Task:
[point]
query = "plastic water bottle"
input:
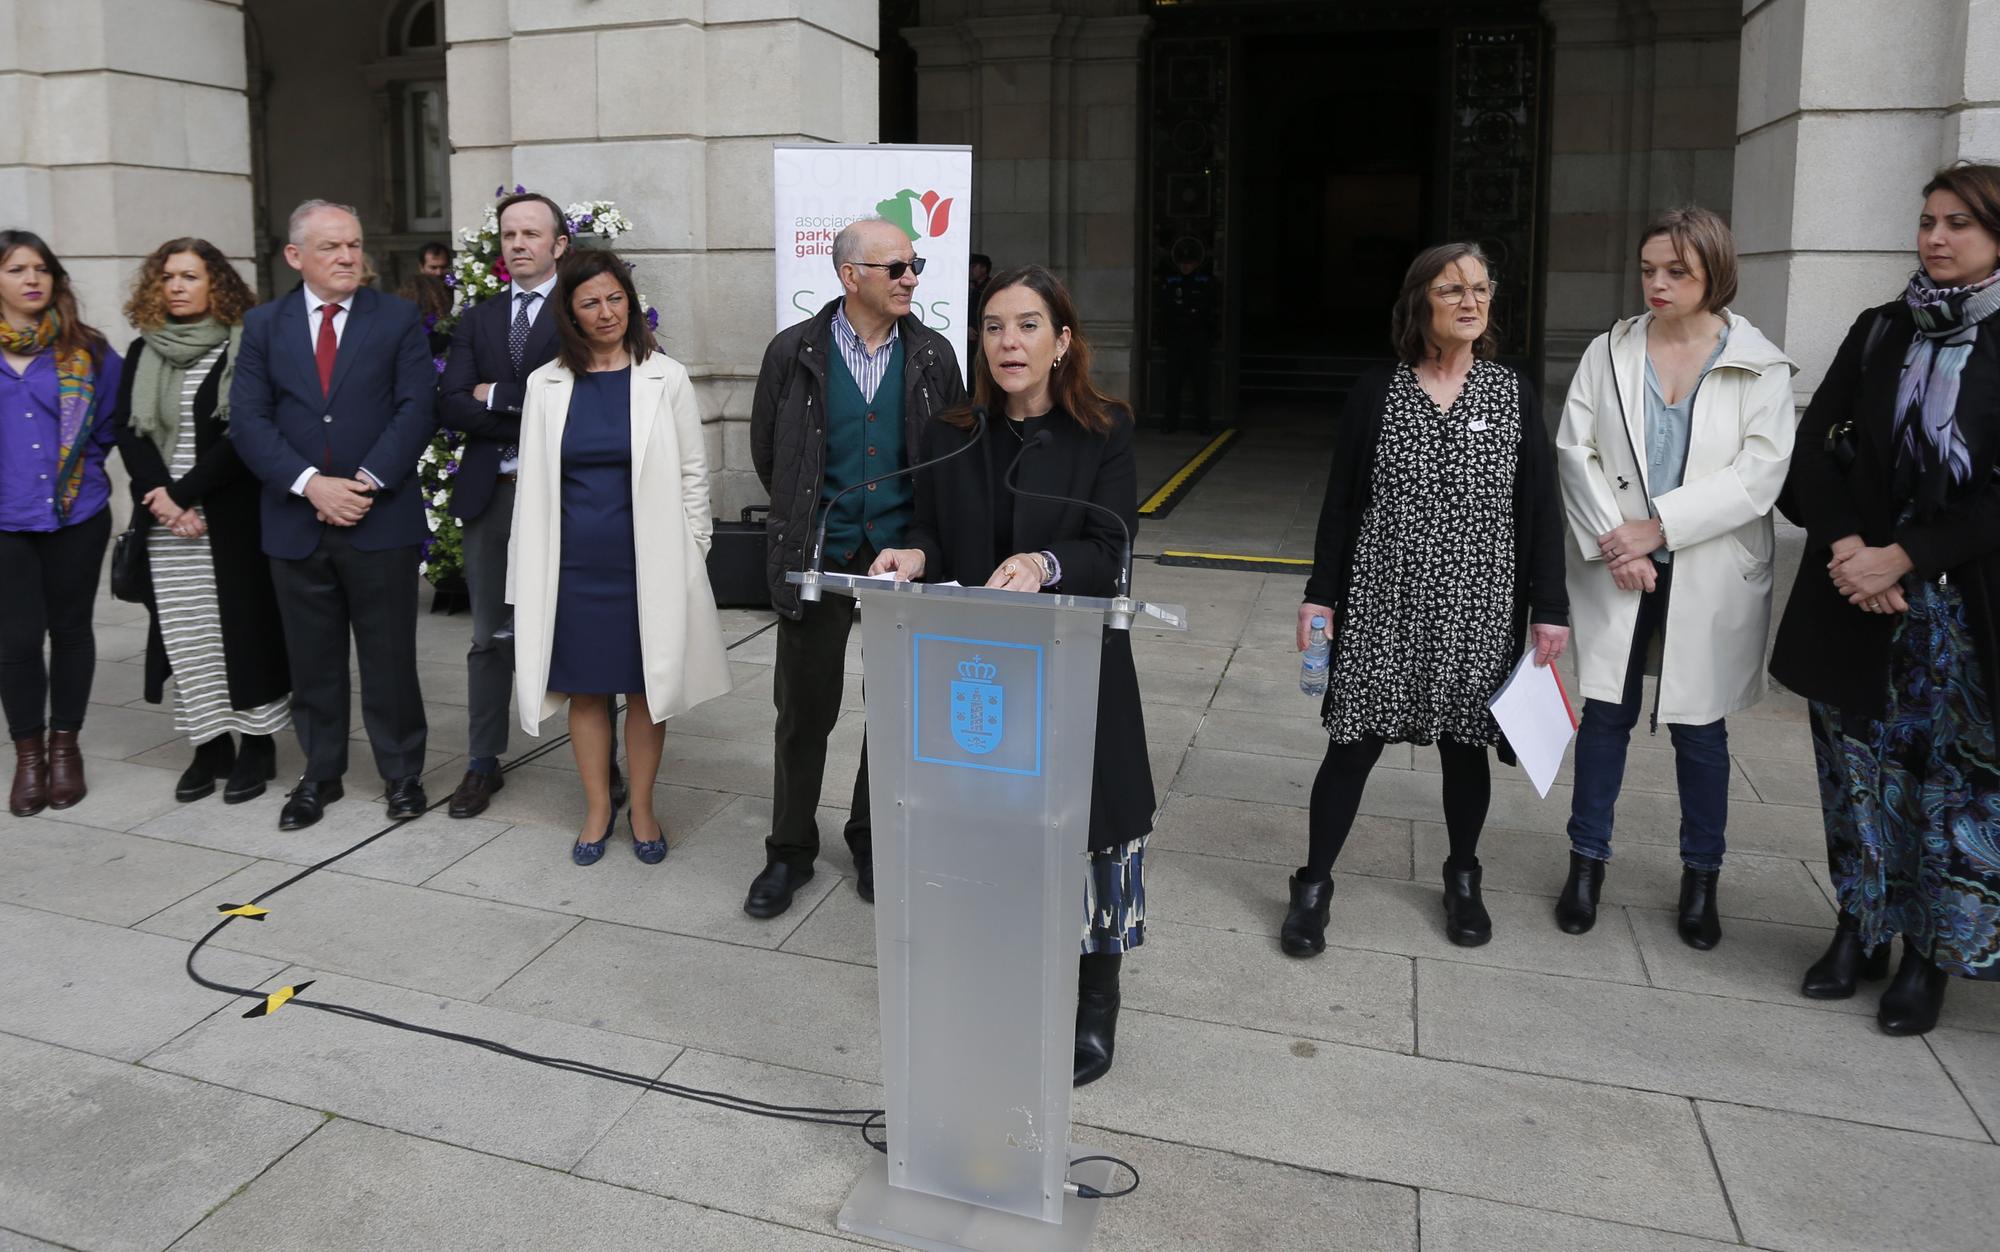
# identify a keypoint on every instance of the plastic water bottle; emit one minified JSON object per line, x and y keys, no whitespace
{"x":1312,"y":668}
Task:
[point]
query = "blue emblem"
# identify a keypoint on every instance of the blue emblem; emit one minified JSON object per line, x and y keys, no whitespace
{"x":977,"y":706}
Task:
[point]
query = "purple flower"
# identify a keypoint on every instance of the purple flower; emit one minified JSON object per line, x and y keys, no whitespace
{"x":499,"y":191}
{"x":450,"y":279}
{"x":451,"y":469}
{"x":430,"y":541}
{"x":585,"y":220}
{"x":437,"y":363}
{"x":652,"y":319}
{"x":519,"y":190}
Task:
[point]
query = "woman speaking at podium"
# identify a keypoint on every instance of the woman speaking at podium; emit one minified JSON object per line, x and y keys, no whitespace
{"x":1032,"y":371}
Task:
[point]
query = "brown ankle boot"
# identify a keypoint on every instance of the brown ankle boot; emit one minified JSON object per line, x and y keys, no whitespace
{"x":66,"y":785}
{"x":31,"y":777}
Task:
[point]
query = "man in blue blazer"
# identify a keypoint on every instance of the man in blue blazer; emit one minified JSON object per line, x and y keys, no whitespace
{"x":331,"y":407}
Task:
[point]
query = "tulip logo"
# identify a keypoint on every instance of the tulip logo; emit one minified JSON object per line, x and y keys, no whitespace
{"x":918,"y":216}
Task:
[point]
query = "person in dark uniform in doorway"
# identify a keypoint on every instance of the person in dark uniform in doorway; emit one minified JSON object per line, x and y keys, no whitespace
{"x":1189,"y":298}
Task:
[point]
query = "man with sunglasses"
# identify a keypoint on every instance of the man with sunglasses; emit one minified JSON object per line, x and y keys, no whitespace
{"x":840,"y":399}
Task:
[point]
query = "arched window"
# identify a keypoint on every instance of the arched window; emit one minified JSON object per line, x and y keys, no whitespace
{"x":415,"y":38}
{"x":417,"y":29}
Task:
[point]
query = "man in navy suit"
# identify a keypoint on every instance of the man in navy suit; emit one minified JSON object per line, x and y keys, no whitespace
{"x":331,"y":407}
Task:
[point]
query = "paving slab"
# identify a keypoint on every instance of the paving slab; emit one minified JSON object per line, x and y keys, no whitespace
{"x":1457,"y":1223}
{"x":1300,"y":735}
{"x":728,"y":717}
{"x":1275,"y":834}
{"x":1567,"y":1146}
{"x":719,"y":997}
{"x":384,"y":932}
{"x":108,"y":1156}
{"x":11,"y":1242}
{"x":124,"y":640}
{"x":123,"y":795}
{"x":1781,"y":780}
{"x":101,"y":875}
{"x":105,"y":989}
{"x":409,"y":854}
{"x":697,"y":890}
{"x":1647,"y":768}
{"x":1972,"y":1058}
{"x":114,"y":732}
{"x":1807,"y":1184}
{"x":1763,"y":888}
{"x":1159,"y":654}
{"x":1254,"y":777}
{"x":841,"y":927}
{"x":120,"y":682}
{"x":1740,"y":1051}
{"x":1176,"y":724}
{"x":421,"y":1194}
{"x":437,"y":1088}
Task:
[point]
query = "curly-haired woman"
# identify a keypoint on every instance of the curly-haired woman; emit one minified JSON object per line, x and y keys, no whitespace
{"x":215,"y":616}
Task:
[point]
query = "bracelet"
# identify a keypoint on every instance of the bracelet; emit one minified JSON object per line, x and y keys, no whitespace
{"x":1051,"y":568}
{"x":1662,"y":523}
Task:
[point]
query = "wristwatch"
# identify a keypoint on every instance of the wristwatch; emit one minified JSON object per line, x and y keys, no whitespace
{"x":1051,"y":570}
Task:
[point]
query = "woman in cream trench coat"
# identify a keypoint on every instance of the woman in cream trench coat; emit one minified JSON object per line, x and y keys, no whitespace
{"x":1700,"y":601}
{"x":681,"y":639}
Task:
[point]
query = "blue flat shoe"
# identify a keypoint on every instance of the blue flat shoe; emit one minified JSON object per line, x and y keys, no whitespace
{"x":591,"y":853}
{"x":652,"y":852}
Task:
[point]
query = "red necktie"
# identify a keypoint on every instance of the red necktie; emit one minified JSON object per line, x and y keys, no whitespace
{"x":323,"y":350}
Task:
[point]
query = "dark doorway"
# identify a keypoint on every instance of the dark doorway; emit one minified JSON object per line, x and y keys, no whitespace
{"x":1339,"y":171}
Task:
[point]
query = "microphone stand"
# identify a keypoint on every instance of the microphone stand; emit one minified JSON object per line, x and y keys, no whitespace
{"x":809,"y":586}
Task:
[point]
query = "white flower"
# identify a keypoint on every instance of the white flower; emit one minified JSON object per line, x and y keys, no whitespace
{"x":423,"y":567}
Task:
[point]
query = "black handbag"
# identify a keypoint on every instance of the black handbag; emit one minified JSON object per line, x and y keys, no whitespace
{"x":131,"y":572}
{"x":736,"y":562}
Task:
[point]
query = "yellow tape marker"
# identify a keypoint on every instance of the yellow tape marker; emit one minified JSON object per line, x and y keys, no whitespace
{"x":1185,"y":472}
{"x":276,"y":1000}
{"x":249,"y":911}
{"x":1231,"y":556}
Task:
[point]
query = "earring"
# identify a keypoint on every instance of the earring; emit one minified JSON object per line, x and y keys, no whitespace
{"x":1058,"y":362}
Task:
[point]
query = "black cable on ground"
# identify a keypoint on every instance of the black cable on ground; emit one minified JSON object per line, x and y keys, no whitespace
{"x":868,"y":1118}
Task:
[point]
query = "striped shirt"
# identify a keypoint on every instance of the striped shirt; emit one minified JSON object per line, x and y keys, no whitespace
{"x":868,"y":368}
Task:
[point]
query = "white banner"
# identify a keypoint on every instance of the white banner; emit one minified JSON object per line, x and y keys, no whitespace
{"x":926,"y":189}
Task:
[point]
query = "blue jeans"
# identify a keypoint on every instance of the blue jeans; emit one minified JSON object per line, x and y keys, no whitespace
{"x":1701,"y":758}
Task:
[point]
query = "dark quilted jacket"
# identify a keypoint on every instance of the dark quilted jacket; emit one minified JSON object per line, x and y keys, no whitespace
{"x":788,"y":432}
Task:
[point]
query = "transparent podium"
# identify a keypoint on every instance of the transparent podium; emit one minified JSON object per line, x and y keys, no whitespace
{"x":982,"y":724}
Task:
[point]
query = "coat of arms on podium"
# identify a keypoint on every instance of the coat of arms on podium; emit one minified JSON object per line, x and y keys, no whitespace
{"x":978,"y":705}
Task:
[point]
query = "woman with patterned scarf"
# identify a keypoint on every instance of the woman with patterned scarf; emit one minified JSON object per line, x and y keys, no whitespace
{"x":56,"y":384}
{"x":1892,"y":632}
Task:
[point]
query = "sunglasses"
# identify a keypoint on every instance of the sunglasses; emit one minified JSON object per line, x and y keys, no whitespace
{"x":895,"y":268}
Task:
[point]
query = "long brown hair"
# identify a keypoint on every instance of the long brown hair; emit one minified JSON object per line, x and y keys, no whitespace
{"x":229,"y":297}
{"x":1410,"y":316}
{"x":579,"y":267}
{"x":76,"y":333}
{"x":1069,"y":383}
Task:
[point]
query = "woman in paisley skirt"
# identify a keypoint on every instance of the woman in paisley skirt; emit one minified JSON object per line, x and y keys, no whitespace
{"x":1440,"y":541}
{"x":1891,"y":630}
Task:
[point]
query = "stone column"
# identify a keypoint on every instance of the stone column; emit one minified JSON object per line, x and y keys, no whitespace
{"x":1843,"y":117}
{"x":1972,"y":121}
{"x":670,"y":108}
{"x":127,"y":126}
{"x":1051,"y":104}
{"x":1643,"y":116}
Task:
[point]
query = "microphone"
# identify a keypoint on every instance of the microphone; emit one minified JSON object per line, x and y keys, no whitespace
{"x":1041,"y":440}
{"x":826,"y":514}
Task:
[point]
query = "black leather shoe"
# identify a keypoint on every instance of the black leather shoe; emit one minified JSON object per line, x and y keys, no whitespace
{"x":1836,"y":974}
{"x":1700,"y":928}
{"x":256,"y":764}
{"x":1466,"y":922}
{"x":1096,"y":1034}
{"x":475,"y":791}
{"x":864,"y":878}
{"x":619,"y":792}
{"x":406,"y":799}
{"x":1915,"y":997}
{"x":1304,"y":931}
{"x":211,"y":758}
{"x":306,"y":803}
{"x":1576,"y":907}
{"x":771,"y":890}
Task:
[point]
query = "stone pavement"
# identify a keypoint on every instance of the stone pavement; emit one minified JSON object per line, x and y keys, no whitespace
{"x":1614,"y":1091}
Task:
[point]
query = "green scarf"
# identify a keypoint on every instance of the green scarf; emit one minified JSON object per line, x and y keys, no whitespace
{"x":162,"y":369}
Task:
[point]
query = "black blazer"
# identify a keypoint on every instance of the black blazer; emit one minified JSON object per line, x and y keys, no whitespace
{"x":253,"y":635}
{"x":953,"y":528}
{"x":379,"y":413}
{"x":1832,"y":651}
{"x":479,"y":355}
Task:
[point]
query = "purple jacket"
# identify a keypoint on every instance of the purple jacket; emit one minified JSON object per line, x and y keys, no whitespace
{"x":30,"y":445}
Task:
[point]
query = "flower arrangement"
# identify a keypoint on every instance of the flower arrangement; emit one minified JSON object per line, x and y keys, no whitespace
{"x":479,"y":272}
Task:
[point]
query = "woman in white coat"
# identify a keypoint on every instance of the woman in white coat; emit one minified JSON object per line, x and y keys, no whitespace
{"x":1672,"y":449}
{"x":611,"y":451}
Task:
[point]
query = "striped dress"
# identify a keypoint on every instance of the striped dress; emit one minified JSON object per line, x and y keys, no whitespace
{"x":190,"y":621}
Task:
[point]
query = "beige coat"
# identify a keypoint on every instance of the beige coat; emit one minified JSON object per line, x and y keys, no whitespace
{"x":1718,"y":521}
{"x":679,"y":634}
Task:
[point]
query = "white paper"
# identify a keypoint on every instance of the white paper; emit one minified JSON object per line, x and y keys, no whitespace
{"x":1534,"y":713}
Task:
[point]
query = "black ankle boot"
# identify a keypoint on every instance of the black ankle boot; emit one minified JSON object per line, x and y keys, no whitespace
{"x":1700,"y":928}
{"x":256,"y":764}
{"x":1576,"y":907}
{"x":1836,"y":973}
{"x":1911,"y":1004}
{"x":1096,"y":1014}
{"x":210,"y":759}
{"x":1304,"y":931}
{"x":1466,"y":922}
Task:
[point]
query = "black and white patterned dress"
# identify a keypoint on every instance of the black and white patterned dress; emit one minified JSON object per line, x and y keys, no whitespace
{"x":1427,"y":628}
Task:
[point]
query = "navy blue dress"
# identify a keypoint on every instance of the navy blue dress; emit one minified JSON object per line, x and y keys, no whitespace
{"x":596,"y":650}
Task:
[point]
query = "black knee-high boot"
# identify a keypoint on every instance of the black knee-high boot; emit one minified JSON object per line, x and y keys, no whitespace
{"x":1096,"y":1014}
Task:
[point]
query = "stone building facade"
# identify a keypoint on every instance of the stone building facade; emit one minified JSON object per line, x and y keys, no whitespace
{"x":1106,"y":133}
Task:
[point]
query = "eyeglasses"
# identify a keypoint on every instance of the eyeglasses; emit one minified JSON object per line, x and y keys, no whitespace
{"x":1455,"y":293}
{"x":895,"y":268}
